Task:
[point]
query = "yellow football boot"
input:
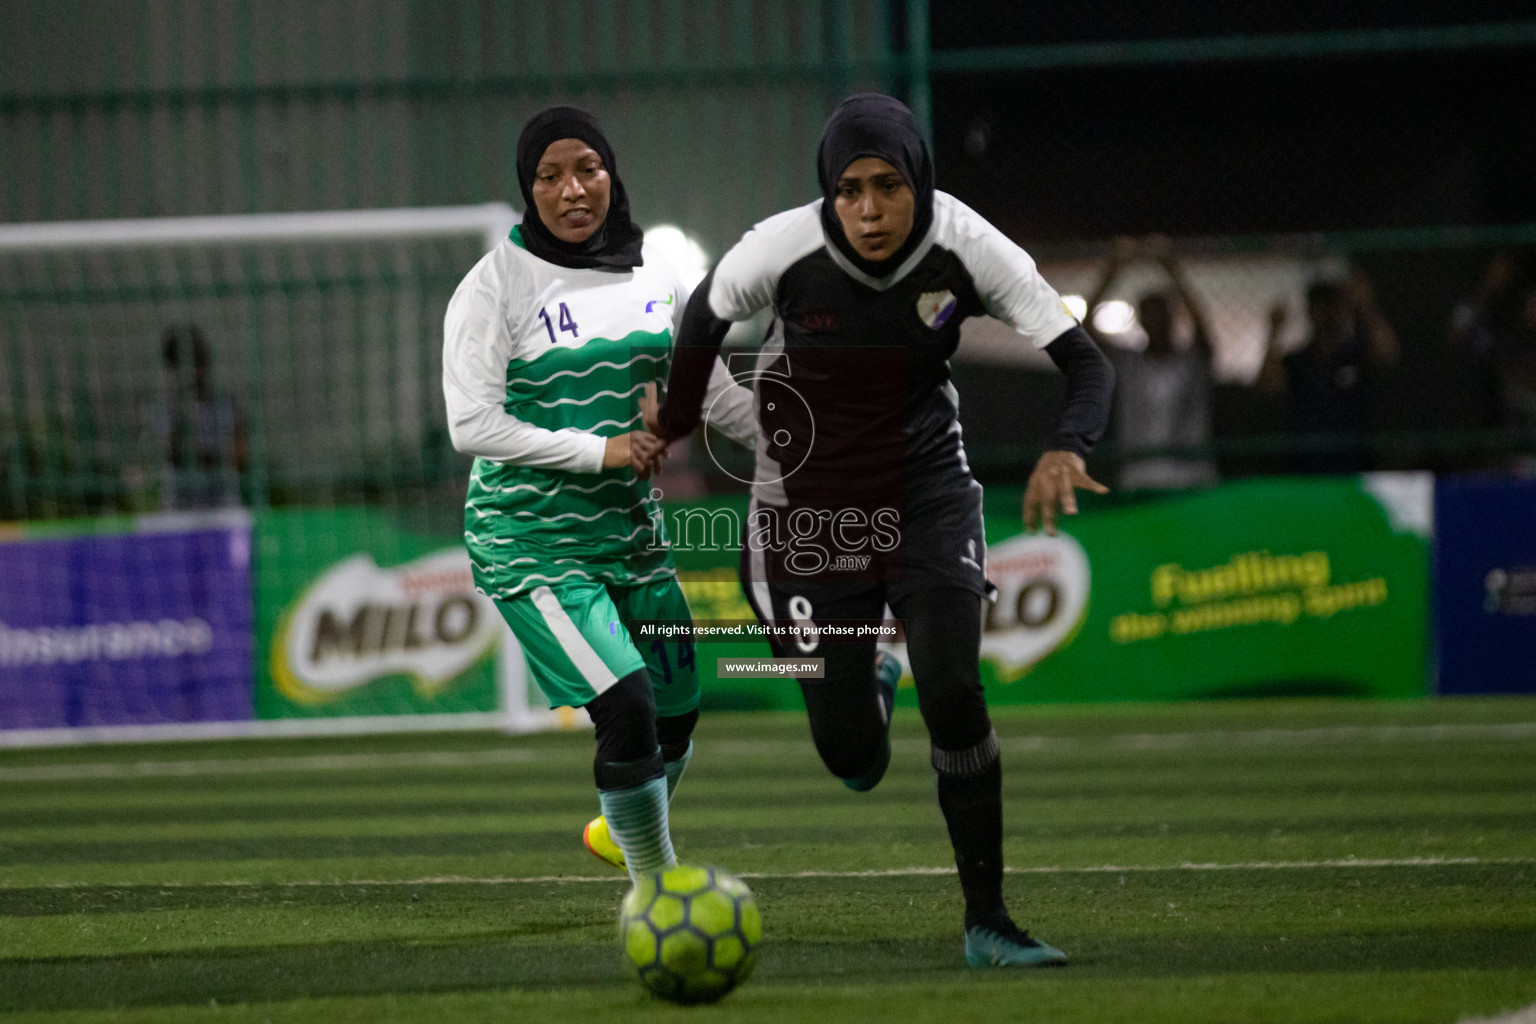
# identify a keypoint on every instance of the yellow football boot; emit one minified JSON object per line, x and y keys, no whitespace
{"x":596,"y":839}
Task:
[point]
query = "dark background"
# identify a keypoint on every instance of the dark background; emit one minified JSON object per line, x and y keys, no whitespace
{"x":1311,"y":142}
{"x":1326,"y":142}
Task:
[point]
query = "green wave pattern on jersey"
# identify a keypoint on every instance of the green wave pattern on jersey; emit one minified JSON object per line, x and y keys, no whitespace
{"x":526,"y":527}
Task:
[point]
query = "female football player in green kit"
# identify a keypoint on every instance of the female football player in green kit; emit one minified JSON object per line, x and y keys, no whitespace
{"x":547,"y":344}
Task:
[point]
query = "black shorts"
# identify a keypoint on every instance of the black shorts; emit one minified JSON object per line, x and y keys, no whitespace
{"x":802,"y":565}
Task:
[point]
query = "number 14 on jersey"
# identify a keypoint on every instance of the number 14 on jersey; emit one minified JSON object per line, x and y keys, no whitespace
{"x":566,"y":323}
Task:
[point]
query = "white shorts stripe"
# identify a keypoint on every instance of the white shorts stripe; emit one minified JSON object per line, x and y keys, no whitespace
{"x":757,"y":573}
{"x":598,"y":675}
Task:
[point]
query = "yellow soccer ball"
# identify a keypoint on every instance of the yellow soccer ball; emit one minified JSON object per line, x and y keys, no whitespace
{"x":690,"y":934}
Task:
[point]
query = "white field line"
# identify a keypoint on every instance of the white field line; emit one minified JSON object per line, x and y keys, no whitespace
{"x":742,"y":748}
{"x":1334,"y":734}
{"x":908,"y":872}
{"x":1525,"y":1016}
{"x":1210,"y":737}
{"x":263,"y":765}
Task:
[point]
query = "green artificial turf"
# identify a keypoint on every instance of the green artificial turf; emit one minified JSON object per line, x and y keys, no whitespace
{"x":1244,"y":861}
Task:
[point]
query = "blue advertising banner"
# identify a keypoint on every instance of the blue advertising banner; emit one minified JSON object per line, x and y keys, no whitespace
{"x":1485,"y":585}
{"x":126,"y":629}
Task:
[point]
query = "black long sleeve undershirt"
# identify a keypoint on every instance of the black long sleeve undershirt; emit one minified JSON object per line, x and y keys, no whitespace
{"x":1090,"y":387}
{"x":693,"y":360}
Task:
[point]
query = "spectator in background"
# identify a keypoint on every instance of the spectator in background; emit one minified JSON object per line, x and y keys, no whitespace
{"x":1331,"y":380}
{"x":1498,"y":325}
{"x":202,"y":433}
{"x":1163,"y":400}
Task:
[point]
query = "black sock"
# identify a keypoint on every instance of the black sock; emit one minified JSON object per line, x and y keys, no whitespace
{"x":973,"y":810}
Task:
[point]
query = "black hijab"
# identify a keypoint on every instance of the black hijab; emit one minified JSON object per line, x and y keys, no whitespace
{"x":870,"y":124}
{"x":616,"y":242}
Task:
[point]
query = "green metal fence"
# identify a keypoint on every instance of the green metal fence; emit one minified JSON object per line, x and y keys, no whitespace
{"x":150,"y":108}
{"x":328,"y":351}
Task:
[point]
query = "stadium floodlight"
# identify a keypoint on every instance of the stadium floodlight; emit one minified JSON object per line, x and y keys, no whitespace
{"x":321,"y":335}
{"x":1114,"y":317}
{"x":681,"y":250}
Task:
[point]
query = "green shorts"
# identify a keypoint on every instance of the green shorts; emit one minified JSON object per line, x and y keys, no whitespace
{"x":576,"y":640}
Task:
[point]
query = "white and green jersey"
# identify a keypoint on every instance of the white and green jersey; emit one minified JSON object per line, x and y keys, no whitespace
{"x":541,"y":364}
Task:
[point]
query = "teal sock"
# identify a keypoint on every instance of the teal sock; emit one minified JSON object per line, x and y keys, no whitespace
{"x":675,"y":769}
{"x":637,"y":821}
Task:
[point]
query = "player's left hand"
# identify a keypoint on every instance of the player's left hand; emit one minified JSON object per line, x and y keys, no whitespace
{"x":1052,"y":486}
{"x":646,"y":452}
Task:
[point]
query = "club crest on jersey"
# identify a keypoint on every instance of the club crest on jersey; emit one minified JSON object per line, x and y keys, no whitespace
{"x":935,"y":308}
{"x":816,"y":320}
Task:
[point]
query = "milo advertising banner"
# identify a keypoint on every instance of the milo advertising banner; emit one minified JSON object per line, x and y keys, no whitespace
{"x":359,"y":617}
{"x":1263,"y":587}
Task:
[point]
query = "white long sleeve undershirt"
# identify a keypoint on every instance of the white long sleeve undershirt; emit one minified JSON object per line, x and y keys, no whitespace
{"x":477,"y":346}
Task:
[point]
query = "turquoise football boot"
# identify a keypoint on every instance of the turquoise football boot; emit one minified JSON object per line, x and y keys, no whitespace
{"x":998,"y":942}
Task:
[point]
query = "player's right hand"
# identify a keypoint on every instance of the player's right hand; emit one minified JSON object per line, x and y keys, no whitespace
{"x":1051,"y":486}
{"x":650,"y":408}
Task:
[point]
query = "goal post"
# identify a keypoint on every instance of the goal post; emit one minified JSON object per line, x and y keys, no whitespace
{"x":228,"y":501}
{"x":491,"y":220}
